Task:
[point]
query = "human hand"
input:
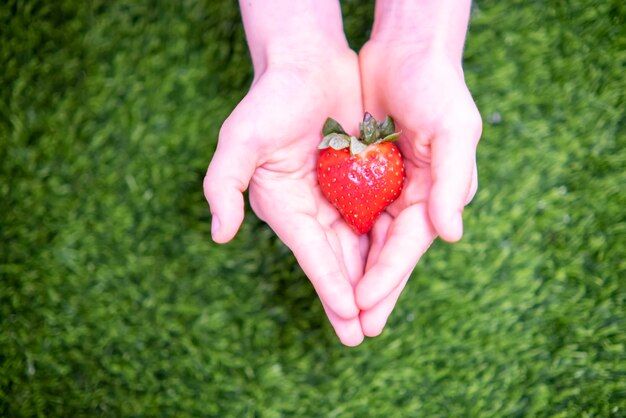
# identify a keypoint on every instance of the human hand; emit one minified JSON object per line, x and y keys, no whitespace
{"x":423,"y":88}
{"x":269,"y":142}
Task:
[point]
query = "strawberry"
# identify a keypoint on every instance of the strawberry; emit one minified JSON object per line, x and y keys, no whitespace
{"x":360,"y":176}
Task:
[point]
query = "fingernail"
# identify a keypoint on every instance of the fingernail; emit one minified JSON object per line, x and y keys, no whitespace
{"x":215,"y":226}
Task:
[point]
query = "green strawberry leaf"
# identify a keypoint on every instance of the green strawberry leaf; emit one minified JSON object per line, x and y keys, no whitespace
{"x":331,"y":126}
{"x":392,"y":137}
{"x":339,"y":141}
{"x":356,"y":146}
{"x":325,"y":143}
{"x":335,"y":141}
{"x":387,"y":127}
{"x":370,"y":129}
{"x":370,"y":132}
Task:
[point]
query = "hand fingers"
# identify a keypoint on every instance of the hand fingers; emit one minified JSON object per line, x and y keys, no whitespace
{"x":409,"y":236}
{"x":348,"y":330}
{"x":373,"y":320}
{"x":308,"y":241}
{"x":378,"y":236}
{"x":227,"y":177}
{"x":453,"y":161}
{"x":349,"y":246}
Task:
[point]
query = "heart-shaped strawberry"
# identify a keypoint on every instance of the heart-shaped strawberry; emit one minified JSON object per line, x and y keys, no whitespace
{"x":360,"y":176}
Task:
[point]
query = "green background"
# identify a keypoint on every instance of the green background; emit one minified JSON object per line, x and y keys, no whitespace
{"x":115,"y":302}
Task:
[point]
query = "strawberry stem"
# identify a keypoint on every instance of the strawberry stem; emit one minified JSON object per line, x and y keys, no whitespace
{"x":331,"y":126}
{"x":370,"y":132}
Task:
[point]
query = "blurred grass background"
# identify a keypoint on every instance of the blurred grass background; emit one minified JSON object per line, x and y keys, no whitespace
{"x":115,"y":302}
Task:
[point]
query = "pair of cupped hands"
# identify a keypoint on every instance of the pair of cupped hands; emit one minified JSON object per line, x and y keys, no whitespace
{"x":269,"y":145}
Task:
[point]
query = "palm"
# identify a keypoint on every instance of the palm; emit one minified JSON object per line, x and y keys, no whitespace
{"x":428,"y":98}
{"x":425,"y":96}
{"x":284,"y":190}
{"x":281,"y":118}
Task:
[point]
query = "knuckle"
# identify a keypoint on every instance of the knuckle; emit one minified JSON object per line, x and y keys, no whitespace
{"x":472,"y":125}
{"x":466,"y":124}
{"x":475,"y":125}
{"x":235,"y":126}
{"x":228,"y":129}
{"x":210,"y":184}
{"x":470,"y":195}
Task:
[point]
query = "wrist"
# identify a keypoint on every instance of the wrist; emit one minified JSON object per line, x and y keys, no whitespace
{"x":287,"y":30}
{"x":307,"y":53}
{"x":435,"y":27}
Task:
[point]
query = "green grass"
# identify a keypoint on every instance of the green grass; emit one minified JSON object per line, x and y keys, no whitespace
{"x":115,"y":302}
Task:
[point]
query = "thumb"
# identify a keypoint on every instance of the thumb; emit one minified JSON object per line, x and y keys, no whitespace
{"x":453,"y":168}
{"x":227,"y":177}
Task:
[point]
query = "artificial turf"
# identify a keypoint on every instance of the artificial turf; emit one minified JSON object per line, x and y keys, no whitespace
{"x":115,"y":302}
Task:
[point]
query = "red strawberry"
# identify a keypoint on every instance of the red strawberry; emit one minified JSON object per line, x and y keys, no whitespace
{"x":360,"y":176}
